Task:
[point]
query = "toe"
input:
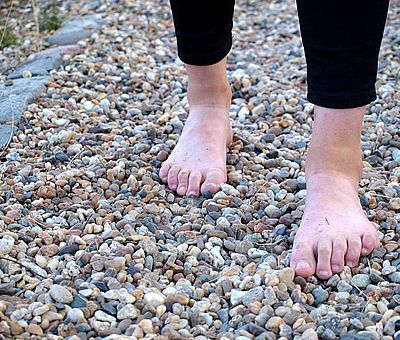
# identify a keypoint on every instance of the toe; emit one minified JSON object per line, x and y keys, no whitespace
{"x":303,"y":259}
{"x":173,"y":177}
{"x":183,"y":179}
{"x":368,"y":243}
{"x":194,"y":183}
{"x":164,"y":172}
{"x":213,"y":180}
{"x":338,"y":253}
{"x":353,"y":251}
{"x":324,"y":251}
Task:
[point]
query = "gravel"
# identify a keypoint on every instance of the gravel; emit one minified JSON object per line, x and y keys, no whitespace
{"x":93,"y":245}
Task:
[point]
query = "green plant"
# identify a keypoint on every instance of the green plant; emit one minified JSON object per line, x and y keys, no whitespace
{"x":50,"y":21}
{"x":7,"y":38}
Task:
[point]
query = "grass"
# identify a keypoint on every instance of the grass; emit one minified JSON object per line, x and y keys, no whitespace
{"x":50,"y":21}
{"x":46,"y":20}
{"x":8,"y":38}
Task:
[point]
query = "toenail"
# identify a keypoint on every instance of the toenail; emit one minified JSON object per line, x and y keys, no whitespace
{"x":323,"y":273}
{"x":172,"y":186}
{"x":302,"y":265}
{"x":364,"y":250}
{"x":335,"y":268}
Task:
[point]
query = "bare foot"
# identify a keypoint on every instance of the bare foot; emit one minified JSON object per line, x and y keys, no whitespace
{"x":198,"y":162}
{"x":334,"y":230}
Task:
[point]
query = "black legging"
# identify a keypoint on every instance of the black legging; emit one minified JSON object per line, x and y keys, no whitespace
{"x":341,"y":40}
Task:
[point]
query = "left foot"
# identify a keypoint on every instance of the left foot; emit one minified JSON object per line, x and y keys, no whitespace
{"x":334,"y":230}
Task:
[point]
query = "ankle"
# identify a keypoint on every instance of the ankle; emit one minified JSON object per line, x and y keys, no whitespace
{"x":209,"y":95}
{"x":334,"y":162}
{"x":208,"y":85}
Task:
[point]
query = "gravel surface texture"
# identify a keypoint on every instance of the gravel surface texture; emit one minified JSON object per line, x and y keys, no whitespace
{"x":93,"y":245}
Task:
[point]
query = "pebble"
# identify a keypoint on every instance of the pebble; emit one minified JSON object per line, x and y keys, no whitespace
{"x":395,"y":277}
{"x":34,"y":329}
{"x":128,"y":312}
{"x":320,"y":295}
{"x":286,"y":275}
{"x":6,"y":244}
{"x":237,"y":297}
{"x":75,"y":315}
{"x":154,"y":299}
{"x":361,"y":280}
{"x":394,"y":203}
{"x":61,"y":294}
{"x":102,"y":316}
{"x":254,"y":294}
{"x":106,"y":250}
{"x":274,"y":323}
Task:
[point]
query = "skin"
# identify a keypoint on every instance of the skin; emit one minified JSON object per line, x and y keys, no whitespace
{"x":334,"y":230}
{"x":197,"y":165}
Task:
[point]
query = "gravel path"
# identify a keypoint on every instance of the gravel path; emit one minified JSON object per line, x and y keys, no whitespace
{"x":93,"y":245}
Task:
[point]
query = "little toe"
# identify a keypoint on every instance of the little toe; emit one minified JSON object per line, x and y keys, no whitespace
{"x":183,"y":180}
{"x":324,"y":251}
{"x":339,"y":247}
{"x":213,"y":180}
{"x":368,"y":243}
{"x":194,"y":183}
{"x":302,"y":259}
{"x":164,"y":172}
{"x":173,"y":177}
{"x":353,"y":251}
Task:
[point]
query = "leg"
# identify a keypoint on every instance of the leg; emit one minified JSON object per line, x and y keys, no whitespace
{"x":198,"y":162}
{"x":341,"y":42}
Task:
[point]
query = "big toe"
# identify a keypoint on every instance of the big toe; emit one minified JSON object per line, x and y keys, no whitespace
{"x":164,"y":172}
{"x":173,"y":177}
{"x":302,"y":259}
{"x":213,"y":179}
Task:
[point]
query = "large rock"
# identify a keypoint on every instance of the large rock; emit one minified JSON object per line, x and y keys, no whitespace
{"x":6,"y":131}
{"x":15,"y":99}
{"x":76,"y":29}
{"x":37,"y":66}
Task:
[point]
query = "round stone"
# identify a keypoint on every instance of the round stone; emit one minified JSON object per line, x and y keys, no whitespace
{"x":361,"y":280}
{"x":61,"y":294}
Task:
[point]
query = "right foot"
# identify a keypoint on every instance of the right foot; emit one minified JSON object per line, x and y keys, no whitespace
{"x":197,"y":165}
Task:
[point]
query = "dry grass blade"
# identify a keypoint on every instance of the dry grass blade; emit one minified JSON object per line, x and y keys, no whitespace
{"x":22,"y":265}
{"x":12,"y":130}
{"x":73,"y":158}
{"x":36,"y":16}
{"x":6,"y":23}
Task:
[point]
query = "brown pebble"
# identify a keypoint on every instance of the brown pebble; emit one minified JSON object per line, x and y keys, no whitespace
{"x":34,"y":329}
{"x":47,"y":192}
{"x":15,"y":327}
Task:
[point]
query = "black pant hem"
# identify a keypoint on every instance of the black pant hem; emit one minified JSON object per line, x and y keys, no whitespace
{"x":205,"y":58}
{"x":333,"y":102}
